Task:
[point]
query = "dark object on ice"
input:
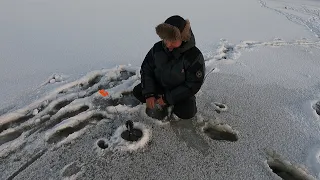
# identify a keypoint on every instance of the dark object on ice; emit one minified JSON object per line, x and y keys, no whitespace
{"x":220,"y":135}
{"x":317,"y":107}
{"x":131,"y":134}
{"x":157,"y":112}
{"x":221,"y":106}
{"x":102,"y":144}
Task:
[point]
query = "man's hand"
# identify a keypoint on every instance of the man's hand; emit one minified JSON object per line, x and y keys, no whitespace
{"x":150,"y":102}
{"x":161,"y":101}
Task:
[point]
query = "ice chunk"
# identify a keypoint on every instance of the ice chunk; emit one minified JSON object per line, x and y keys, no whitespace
{"x":35,"y":112}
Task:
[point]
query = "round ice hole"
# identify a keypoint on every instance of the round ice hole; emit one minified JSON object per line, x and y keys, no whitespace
{"x":102,"y":144}
{"x":131,"y":134}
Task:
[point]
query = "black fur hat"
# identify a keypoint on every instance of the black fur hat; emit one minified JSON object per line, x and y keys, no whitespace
{"x":174,"y":28}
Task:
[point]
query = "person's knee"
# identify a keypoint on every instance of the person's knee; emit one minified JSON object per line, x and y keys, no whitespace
{"x":185,"y":115}
{"x":136,"y":90}
{"x":186,"y":110}
{"x":137,"y":93}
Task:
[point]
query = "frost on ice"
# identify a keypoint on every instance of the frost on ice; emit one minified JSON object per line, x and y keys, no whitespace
{"x":68,"y":111}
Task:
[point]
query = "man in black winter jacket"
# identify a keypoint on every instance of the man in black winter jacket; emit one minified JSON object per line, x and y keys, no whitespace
{"x":173,"y":70}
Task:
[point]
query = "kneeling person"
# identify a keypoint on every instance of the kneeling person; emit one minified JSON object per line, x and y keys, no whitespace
{"x":173,"y":70}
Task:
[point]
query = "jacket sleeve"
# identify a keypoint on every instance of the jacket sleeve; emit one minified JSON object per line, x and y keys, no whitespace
{"x":147,"y":75}
{"x":194,"y":80}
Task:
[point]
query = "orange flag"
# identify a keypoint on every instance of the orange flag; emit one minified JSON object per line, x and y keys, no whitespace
{"x":103,"y":92}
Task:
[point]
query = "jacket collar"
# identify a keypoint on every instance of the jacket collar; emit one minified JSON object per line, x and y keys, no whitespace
{"x":177,"y":52}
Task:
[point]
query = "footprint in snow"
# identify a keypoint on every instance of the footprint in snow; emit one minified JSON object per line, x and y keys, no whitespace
{"x":316,"y":107}
{"x":220,"y":132}
{"x":219,"y":107}
{"x":71,"y":171}
{"x":286,"y":170}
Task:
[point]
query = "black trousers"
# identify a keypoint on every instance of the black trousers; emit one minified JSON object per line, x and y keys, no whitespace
{"x":184,"y":109}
